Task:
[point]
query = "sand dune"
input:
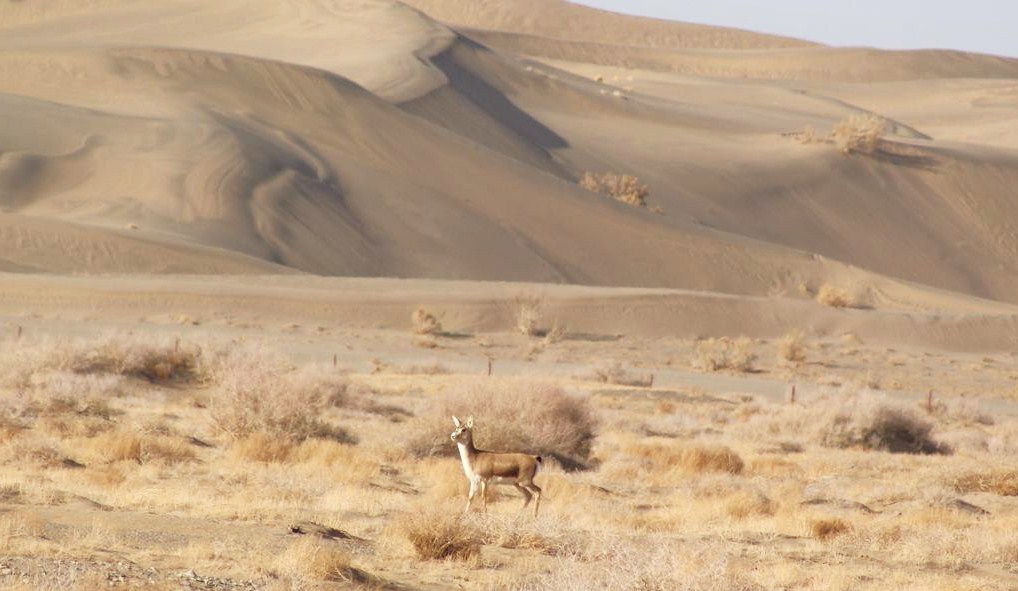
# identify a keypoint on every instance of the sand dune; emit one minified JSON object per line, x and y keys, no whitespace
{"x":367,"y":138}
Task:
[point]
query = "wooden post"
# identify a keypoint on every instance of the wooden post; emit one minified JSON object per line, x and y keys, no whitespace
{"x":489,"y":366}
{"x":176,"y":345}
{"x":335,"y":359}
{"x":19,"y":331}
{"x":929,"y":402}
{"x":792,"y":399}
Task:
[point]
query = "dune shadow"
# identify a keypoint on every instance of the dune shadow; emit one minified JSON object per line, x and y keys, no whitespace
{"x":890,"y":155}
{"x":492,"y":100}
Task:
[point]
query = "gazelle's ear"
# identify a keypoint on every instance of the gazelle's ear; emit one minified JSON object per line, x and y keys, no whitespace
{"x":470,"y":423}
{"x":456,"y":422}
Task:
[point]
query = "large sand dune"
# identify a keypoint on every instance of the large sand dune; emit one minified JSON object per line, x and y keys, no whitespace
{"x":372,"y":138}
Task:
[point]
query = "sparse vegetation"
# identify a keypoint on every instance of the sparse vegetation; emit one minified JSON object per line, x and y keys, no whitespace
{"x":858,"y":133}
{"x":999,"y":482}
{"x":620,"y":187}
{"x":725,"y":353}
{"x":792,"y":348}
{"x":425,"y":323}
{"x":527,"y":315}
{"x":827,"y":529}
{"x":834,"y":297}
{"x":440,"y":534}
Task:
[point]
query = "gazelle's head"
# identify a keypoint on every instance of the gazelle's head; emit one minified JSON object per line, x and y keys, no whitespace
{"x":462,"y":432}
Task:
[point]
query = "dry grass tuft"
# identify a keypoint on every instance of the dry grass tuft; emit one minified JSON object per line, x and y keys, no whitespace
{"x":309,"y":559}
{"x":555,"y":424}
{"x":616,"y":374}
{"x":620,"y":187}
{"x":725,"y":353}
{"x":425,"y":323}
{"x":827,"y":529}
{"x":792,"y":349}
{"x":859,"y":133}
{"x":1001,"y":482}
{"x":882,"y":426}
{"x":527,"y":313}
{"x":746,"y":503}
{"x":262,"y":447}
{"x":441,"y":534}
{"x":834,"y":297}
{"x":665,"y":455}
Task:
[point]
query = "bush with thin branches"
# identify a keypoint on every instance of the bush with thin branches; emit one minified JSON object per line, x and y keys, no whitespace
{"x":859,"y":133}
{"x":621,"y":187}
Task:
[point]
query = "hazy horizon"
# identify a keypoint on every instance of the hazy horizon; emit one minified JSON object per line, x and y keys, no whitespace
{"x":982,"y":26}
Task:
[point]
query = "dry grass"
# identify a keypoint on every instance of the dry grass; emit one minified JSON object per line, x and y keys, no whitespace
{"x":792,"y":348}
{"x":1000,"y":482}
{"x":620,"y":187}
{"x":616,"y":374}
{"x":859,"y":133}
{"x":308,"y":559}
{"x":827,"y":529}
{"x":441,"y":534}
{"x":527,"y":315}
{"x":662,"y":456}
{"x":725,"y":353}
{"x":834,"y":297}
{"x":251,"y":396}
{"x":425,"y":323}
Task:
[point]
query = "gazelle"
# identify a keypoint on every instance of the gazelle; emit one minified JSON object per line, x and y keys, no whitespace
{"x":482,"y":467}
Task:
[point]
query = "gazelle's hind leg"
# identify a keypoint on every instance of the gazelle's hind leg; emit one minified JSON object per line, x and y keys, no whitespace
{"x":537,"y":494}
{"x":526,"y":496}
{"x":484,"y":496}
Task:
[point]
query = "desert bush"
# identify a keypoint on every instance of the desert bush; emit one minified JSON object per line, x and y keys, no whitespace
{"x":724,"y":353}
{"x":834,"y":297}
{"x":1000,"y":482}
{"x":826,"y":529}
{"x":884,"y":426}
{"x":524,"y":417}
{"x":792,"y":349}
{"x":527,"y":312}
{"x":665,"y":455}
{"x":307,"y":560}
{"x":425,"y":323}
{"x":161,"y":360}
{"x":615,"y":374}
{"x":253,"y":395}
{"x":858,"y":133}
{"x":441,"y":533}
{"x":620,"y":187}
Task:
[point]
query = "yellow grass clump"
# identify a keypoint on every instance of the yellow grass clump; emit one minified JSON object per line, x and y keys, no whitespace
{"x":834,"y":297}
{"x":621,"y":187}
{"x":724,"y":353}
{"x":425,"y":323}
{"x":1001,"y":482}
{"x":792,"y":348}
{"x":859,"y":133}
{"x":441,"y":534}
{"x":827,"y":529}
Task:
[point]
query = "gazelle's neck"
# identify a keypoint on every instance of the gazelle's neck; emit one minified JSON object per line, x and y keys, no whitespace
{"x":467,"y":453}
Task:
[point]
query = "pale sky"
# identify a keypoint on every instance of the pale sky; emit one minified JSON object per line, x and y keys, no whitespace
{"x":985,"y":26}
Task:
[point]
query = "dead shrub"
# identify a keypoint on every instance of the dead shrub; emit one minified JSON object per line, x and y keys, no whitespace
{"x":746,"y":503}
{"x":262,"y":447}
{"x":555,"y":424}
{"x":617,"y":375}
{"x":309,"y":559}
{"x":827,"y":529}
{"x":255,"y":396}
{"x":792,"y":349}
{"x":858,"y":133}
{"x":527,"y":312}
{"x":620,"y":187}
{"x":834,"y":297}
{"x":665,"y":455}
{"x":879,"y":425}
{"x":725,"y":353}
{"x":425,"y":323}
{"x":116,"y":446}
{"x":1001,"y":482}
{"x":441,"y":534}
{"x":130,"y":356}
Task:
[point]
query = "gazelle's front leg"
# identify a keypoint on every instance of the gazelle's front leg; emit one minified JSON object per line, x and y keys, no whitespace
{"x":470,"y":497}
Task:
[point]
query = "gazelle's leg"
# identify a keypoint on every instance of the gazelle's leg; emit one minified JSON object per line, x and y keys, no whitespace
{"x":537,"y":493}
{"x":526,"y":496}
{"x":484,"y":496}
{"x":470,"y":497}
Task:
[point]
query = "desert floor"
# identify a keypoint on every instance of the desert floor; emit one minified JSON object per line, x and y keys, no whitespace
{"x":181,"y":437}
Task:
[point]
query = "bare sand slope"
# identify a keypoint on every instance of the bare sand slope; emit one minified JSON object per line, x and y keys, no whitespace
{"x":365,"y":138}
